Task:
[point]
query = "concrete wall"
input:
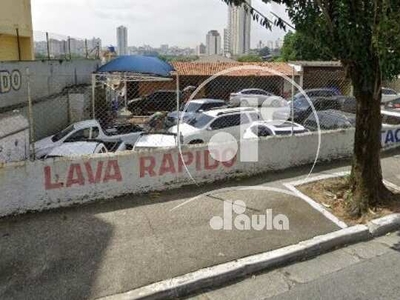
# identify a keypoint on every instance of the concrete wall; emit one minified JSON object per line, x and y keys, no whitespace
{"x":51,"y":84}
{"x":42,"y":185}
{"x":61,"y":182}
{"x":48,"y":78}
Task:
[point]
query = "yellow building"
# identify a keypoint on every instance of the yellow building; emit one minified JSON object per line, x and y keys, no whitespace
{"x":16,"y":35}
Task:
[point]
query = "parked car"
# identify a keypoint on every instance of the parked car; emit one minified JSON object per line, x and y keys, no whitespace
{"x":156,"y":140}
{"x":261,"y":129}
{"x":388,"y":95}
{"x":315,"y":93}
{"x":190,"y":109}
{"x":347,"y":104}
{"x":162,"y":100}
{"x":256,"y":98}
{"x":330,"y":120}
{"x":302,"y":108}
{"x":205,"y":125}
{"x":390,"y":117}
{"x":393,"y":104}
{"x":86,"y":131}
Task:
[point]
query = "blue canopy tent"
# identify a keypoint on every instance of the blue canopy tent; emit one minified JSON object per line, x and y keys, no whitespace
{"x":116,"y":74}
{"x":137,"y":64}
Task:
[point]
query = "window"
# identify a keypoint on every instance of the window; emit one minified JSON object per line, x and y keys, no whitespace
{"x":261,"y":131}
{"x":208,"y":106}
{"x":62,"y":134}
{"x":254,"y":116}
{"x":389,"y":92}
{"x":226,"y":121}
{"x":95,"y":132}
{"x":244,"y":119}
{"x":80,"y":135}
{"x":200,"y":121}
{"x":103,"y":150}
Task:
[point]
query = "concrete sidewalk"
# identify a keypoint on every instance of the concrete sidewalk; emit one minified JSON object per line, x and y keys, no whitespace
{"x":368,"y":270}
{"x":106,"y":248}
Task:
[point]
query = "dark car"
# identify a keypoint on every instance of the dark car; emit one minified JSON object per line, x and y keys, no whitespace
{"x":190,"y":109}
{"x":157,"y":101}
{"x":347,"y":104}
{"x":314,"y":93}
{"x":302,"y":108}
{"x":330,"y":120}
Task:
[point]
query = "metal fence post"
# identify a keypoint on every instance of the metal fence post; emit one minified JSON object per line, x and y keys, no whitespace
{"x":48,"y":45}
{"x":18,"y":44}
{"x":177,"y":110}
{"x":93,"y":96}
{"x":86,"y":49}
{"x":30,"y":117}
{"x":292,"y":102}
{"x":69,"y":48}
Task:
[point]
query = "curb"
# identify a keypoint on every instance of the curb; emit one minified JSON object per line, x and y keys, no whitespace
{"x":221,"y":274}
{"x":384,"y":225}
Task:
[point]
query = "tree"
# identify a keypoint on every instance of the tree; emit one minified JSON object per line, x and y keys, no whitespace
{"x":250,"y":58}
{"x":264,"y":52}
{"x":297,"y":46}
{"x":365,"y":36}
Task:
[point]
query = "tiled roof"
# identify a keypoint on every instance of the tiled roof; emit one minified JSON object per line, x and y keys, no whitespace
{"x":212,"y":68}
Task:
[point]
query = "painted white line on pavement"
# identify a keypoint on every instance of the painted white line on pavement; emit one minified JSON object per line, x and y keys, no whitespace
{"x":316,"y":206}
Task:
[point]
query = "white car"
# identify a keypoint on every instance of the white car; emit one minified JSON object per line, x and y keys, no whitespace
{"x":207,"y":124}
{"x":85,"y":148}
{"x":156,"y":140}
{"x":390,"y":117}
{"x":389,"y":94}
{"x":86,"y":131}
{"x":260,"y":129}
{"x":256,"y":98}
{"x":77,"y":149}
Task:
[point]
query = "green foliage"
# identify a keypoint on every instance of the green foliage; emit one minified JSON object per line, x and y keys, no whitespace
{"x":250,"y":58}
{"x":355,"y":32}
{"x":297,"y":46}
{"x":172,"y":58}
{"x":264,"y":51}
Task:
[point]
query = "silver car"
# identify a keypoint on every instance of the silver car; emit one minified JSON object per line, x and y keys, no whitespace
{"x":256,"y":98}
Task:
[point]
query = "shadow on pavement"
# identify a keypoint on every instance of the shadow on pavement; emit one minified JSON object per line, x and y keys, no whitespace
{"x":51,"y":258}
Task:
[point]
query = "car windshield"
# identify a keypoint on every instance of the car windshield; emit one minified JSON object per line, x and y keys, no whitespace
{"x":192,"y":107}
{"x":200,"y":121}
{"x":62,"y":133}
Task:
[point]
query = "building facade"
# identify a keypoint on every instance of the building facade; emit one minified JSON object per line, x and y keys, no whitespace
{"x":239,"y":27}
{"x":201,"y":49}
{"x":122,"y":40}
{"x":16,"y":34}
{"x":213,"y":43}
{"x":227,"y":49}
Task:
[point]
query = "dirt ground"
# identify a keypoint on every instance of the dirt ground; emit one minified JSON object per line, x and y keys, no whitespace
{"x":331,"y":193}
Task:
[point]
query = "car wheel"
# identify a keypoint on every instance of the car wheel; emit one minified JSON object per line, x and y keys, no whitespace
{"x":196,"y":142}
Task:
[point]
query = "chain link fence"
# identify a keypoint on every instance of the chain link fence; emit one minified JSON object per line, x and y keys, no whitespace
{"x":49,"y":46}
{"x":83,"y":114}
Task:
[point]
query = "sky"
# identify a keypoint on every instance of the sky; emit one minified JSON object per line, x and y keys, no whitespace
{"x":183,"y":23}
